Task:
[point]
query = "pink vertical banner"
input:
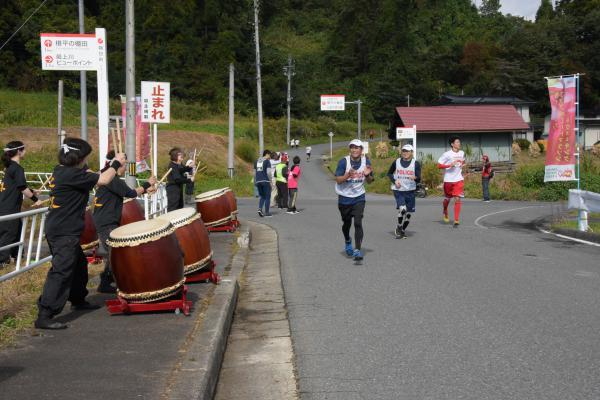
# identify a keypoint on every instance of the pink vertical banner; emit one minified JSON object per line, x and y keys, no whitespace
{"x":560,"y":155}
{"x":142,"y":135}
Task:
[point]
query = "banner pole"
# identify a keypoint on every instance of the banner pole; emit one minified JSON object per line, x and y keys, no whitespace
{"x":155,"y":150}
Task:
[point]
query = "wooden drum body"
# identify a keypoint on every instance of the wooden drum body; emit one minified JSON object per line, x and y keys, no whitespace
{"x":132,"y":212}
{"x":89,"y":236}
{"x":146,"y":261}
{"x":192,"y":237}
{"x":232,"y":201}
{"x":214,"y":207}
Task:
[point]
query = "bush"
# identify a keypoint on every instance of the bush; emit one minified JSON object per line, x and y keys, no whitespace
{"x":529,"y":176}
{"x":246,"y":150}
{"x":523,"y":144}
{"x":430,"y":174}
{"x":542,"y":148}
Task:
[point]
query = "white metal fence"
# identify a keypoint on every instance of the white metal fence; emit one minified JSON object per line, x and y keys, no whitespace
{"x":32,"y":230}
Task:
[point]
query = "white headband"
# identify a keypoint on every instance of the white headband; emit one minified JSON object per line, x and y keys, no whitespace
{"x":15,"y":148}
{"x":66,"y":148}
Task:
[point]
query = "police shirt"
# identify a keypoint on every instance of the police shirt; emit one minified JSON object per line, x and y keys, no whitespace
{"x":108,"y":203}
{"x":69,"y":194}
{"x":11,"y":186}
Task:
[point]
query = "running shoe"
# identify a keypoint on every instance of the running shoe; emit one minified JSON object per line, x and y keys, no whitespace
{"x":357,"y":255}
{"x":260,"y":213}
{"x":446,"y":219}
{"x":269,"y":215}
{"x":456,"y":224}
{"x":290,"y":212}
{"x":348,"y":248}
{"x":398,"y":232}
{"x":296,"y":212}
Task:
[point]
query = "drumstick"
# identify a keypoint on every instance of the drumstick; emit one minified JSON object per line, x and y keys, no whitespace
{"x":119,"y":136}
{"x":114,"y":139}
{"x":164,"y":176}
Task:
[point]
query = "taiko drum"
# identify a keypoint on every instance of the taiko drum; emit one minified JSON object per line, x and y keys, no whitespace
{"x":132,"y":212}
{"x":89,"y":236}
{"x":214,"y":207}
{"x":232,"y":201}
{"x":146,"y":261}
{"x":192,"y":237}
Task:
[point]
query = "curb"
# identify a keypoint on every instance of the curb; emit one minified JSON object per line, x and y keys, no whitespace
{"x":590,"y":237}
{"x":199,"y":370}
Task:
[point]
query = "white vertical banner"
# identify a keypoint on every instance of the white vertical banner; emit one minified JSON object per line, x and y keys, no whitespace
{"x":102,"y":75}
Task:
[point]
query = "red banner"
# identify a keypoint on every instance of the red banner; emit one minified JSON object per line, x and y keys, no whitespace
{"x":142,"y":135}
{"x":560,"y":154}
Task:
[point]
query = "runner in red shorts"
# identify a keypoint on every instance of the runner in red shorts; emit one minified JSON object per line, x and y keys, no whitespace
{"x":452,"y":162}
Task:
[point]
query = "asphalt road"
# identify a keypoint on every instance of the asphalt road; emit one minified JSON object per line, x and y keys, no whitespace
{"x":491,"y":310}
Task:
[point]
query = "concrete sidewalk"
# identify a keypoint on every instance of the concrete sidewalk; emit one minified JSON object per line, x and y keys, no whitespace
{"x":142,"y":356}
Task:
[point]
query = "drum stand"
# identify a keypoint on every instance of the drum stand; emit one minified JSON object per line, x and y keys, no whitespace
{"x":230,"y":226}
{"x":122,"y":306}
{"x":93,"y":258}
{"x":205,"y":276}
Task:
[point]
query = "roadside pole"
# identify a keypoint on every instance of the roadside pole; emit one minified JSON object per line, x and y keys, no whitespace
{"x":130,"y":92}
{"x":330,"y":145}
{"x":60,"y":110}
{"x":230,"y":145}
{"x":261,"y":143}
{"x":83,"y":81}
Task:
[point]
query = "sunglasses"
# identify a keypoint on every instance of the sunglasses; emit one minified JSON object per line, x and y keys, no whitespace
{"x":355,"y":147}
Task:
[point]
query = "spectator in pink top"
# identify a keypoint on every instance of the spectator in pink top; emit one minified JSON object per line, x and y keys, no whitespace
{"x":293,"y":177}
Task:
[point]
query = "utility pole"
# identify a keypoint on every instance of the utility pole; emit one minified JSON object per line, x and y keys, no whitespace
{"x":60,"y":114}
{"x":261,"y":144}
{"x":289,"y":72}
{"x":230,"y":147}
{"x":130,"y":91}
{"x":359,"y":103}
{"x":83,"y":80}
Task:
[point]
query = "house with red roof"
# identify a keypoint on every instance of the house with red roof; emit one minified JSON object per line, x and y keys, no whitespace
{"x":483,"y":129}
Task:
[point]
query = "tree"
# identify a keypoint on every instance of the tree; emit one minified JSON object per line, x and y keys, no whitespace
{"x":490,"y":8}
{"x":546,"y":11}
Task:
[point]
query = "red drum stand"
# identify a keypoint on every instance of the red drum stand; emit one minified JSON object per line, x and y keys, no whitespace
{"x":122,"y":306}
{"x":205,"y":276}
{"x":230,"y":226}
{"x":93,"y":258}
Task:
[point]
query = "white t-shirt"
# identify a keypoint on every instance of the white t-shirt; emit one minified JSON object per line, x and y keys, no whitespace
{"x":453,"y":174}
{"x":308,"y":149}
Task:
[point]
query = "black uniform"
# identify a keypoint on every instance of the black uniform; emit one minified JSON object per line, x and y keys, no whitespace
{"x":175,"y":182}
{"x":67,"y":279}
{"x":108,"y":207}
{"x":11,"y":200}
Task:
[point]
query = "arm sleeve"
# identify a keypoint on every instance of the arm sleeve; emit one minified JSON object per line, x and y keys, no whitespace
{"x":341,"y":168}
{"x":391,"y":171}
{"x":83,"y":180}
{"x":443,"y":162}
{"x":418,"y":172}
{"x":177,"y":177}
{"x":121,"y":189}
{"x":19,"y":178}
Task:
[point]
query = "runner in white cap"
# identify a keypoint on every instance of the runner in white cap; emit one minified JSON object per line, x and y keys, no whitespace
{"x":350,"y":175}
{"x":405,"y":173}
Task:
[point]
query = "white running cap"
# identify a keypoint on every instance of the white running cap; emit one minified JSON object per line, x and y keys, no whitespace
{"x":356,"y":142}
{"x":408,"y":147}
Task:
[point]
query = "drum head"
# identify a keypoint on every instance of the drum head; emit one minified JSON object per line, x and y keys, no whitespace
{"x":180,"y":217}
{"x":127,"y":200}
{"x":210,"y":195}
{"x":147,"y":228}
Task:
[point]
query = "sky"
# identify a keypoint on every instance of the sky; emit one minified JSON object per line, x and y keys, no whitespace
{"x":524,"y":8}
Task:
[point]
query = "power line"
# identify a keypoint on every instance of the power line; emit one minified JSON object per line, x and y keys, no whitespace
{"x":28,"y":18}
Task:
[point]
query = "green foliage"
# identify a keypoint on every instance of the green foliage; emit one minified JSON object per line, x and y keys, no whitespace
{"x":541,"y":145}
{"x":523,"y":144}
{"x":247,"y":150}
{"x":338,"y":46}
{"x":431,"y":175}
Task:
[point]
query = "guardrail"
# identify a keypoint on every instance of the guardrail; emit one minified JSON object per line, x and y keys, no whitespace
{"x":154,"y":205}
{"x":36,"y":236}
{"x":37,"y":181}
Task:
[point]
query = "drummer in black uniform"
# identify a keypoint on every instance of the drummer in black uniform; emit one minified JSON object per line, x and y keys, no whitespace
{"x":108,"y":206}
{"x":70,"y":186}
{"x":176,"y":179}
{"x":12,"y":189}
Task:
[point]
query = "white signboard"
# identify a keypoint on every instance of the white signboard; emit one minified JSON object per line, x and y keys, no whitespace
{"x":69,"y":51}
{"x":156,"y":102}
{"x":333,"y":102}
{"x":406,"y":133}
{"x":365,"y":147}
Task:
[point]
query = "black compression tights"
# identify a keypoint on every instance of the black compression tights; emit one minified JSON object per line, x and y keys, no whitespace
{"x":358,"y":230}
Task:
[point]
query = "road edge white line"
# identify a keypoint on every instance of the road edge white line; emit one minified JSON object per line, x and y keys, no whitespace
{"x":567,"y":237}
{"x":500,"y":212}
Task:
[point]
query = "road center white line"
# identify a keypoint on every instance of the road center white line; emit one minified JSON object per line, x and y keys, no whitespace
{"x":500,"y":212}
